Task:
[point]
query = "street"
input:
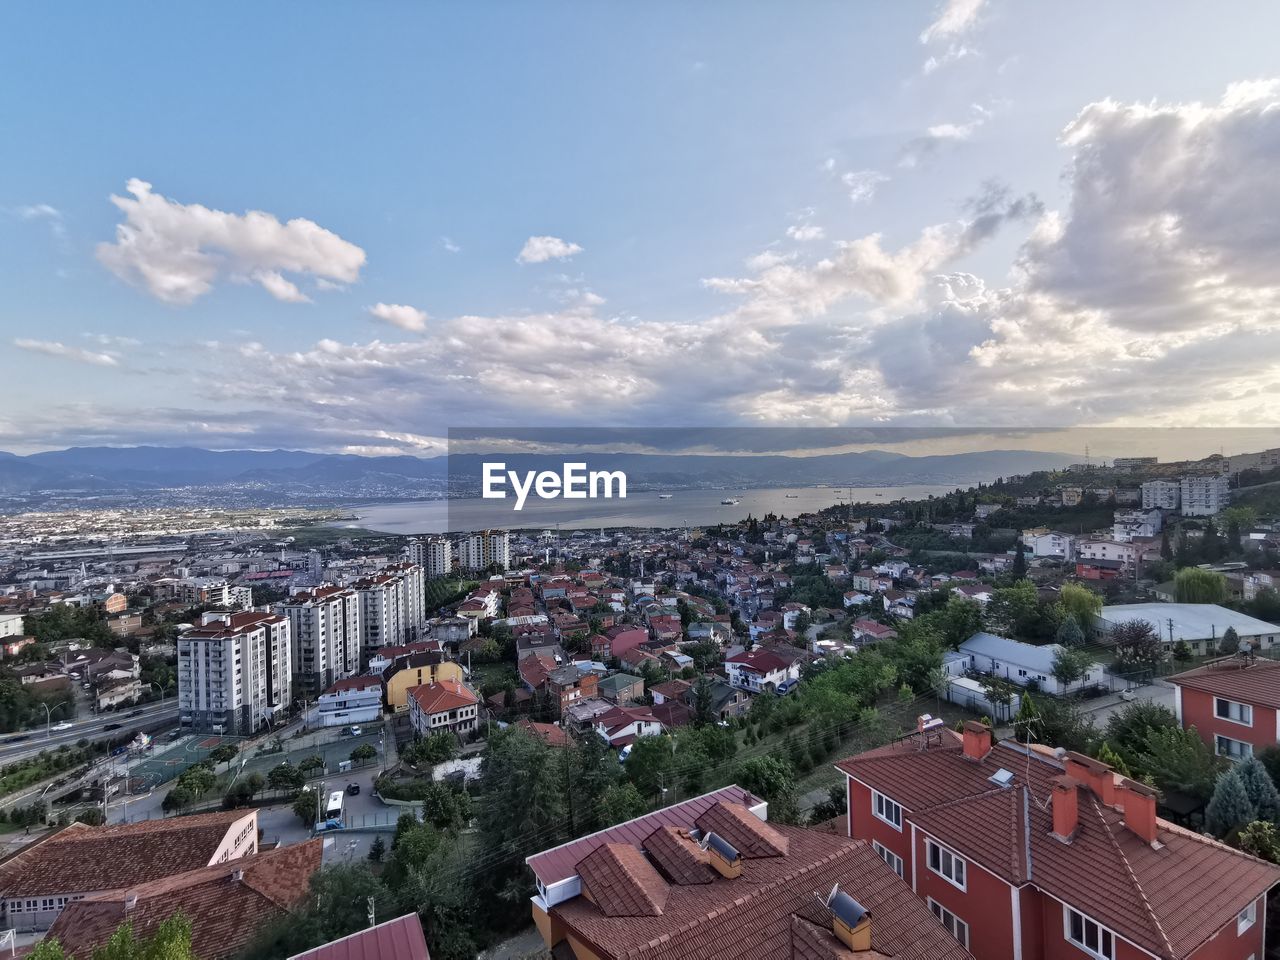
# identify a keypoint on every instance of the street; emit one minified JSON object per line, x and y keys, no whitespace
{"x":15,"y":747}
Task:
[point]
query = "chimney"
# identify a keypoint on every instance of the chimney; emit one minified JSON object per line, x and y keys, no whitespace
{"x":237,"y":875}
{"x":1066,"y":807}
{"x":725,"y":858}
{"x":850,"y":920}
{"x":1096,"y":775}
{"x":130,"y":900}
{"x":977,"y":739}
{"x":1139,"y":803}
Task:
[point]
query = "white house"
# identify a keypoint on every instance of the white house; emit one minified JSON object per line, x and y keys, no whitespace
{"x":761,"y":670}
{"x":856,"y":598}
{"x":1126,"y":553}
{"x":1130,"y":524}
{"x":1051,"y":544}
{"x":1023,"y":663}
{"x":1201,"y":625}
{"x":622,"y":725}
{"x":348,"y":701}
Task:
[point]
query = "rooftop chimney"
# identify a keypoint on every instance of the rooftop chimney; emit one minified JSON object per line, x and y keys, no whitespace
{"x":237,"y":875}
{"x":850,"y":920}
{"x":1139,"y":803}
{"x":130,"y":900}
{"x":1098,"y":776}
{"x":977,"y":739}
{"x":1066,"y":807}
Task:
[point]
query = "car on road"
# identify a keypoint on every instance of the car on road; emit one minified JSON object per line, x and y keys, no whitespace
{"x":110,"y":726}
{"x":64,"y":725}
{"x":351,"y":732}
{"x":17,"y":739}
{"x":134,"y":713}
{"x":174,"y":735}
{"x":353,"y":789}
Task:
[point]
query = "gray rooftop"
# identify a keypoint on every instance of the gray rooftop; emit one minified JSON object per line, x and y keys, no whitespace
{"x":1191,"y":621}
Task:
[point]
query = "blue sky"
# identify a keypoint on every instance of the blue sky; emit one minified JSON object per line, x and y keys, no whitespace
{"x":972,"y":212}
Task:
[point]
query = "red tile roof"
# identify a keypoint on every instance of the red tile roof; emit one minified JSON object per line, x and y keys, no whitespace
{"x":355,"y":683}
{"x":760,"y":660}
{"x":227,"y":903}
{"x":621,"y":882}
{"x":83,"y":859}
{"x":398,"y":939}
{"x":1153,"y":896}
{"x":442,"y":695}
{"x":549,"y":732}
{"x":1256,"y":682}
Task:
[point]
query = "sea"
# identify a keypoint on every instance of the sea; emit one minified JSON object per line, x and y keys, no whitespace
{"x":640,"y":509}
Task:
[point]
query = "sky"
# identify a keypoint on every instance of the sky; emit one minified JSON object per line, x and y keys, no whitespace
{"x":352,"y":227}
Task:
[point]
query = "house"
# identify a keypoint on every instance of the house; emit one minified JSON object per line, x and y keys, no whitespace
{"x":624,"y":637}
{"x":1255,"y":581}
{"x":621,"y":688}
{"x":1126,"y":553}
{"x":353,"y":700}
{"x":1100,"y":569}
{"x":39,"y":880}
{"x":1234,"y":704}
{"x":568,"y":684}
{"x":1051,"y":544}
{"x":398,"y":939}
{"x":622,"y":725}
{"x":869,"y":631}
{"x":117,"y":692}
{"x":1023,"y":663}
{"x":711,"y":877}
{"x":445,"y":705}
{"x":761,"y":670}
{"x":226,"y":904}
{"x":1028,"y":852}
{"x":581,"y":717}
{"x":856,"y":598}
{"x":979,"y":592}
{"x":1201,"y":625}
{"x":549,"y":733}
{"x":675,"y":690}
{"x":415,"y":670}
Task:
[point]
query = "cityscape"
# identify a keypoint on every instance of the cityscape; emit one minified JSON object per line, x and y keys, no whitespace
{"x":576,"y":480}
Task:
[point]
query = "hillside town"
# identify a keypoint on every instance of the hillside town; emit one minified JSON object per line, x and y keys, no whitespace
{"x":765,"y":738}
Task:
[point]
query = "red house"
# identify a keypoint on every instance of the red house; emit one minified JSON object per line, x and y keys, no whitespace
{"x":1232,"y":704}
{"x":1099,"y":569}
{"x":623,"y":638}
{"x":1025,"y":854}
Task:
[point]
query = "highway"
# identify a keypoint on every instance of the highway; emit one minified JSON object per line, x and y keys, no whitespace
{"x":17,"y":746}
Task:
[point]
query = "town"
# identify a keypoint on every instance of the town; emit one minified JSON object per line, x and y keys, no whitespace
{"x":268,"y":738}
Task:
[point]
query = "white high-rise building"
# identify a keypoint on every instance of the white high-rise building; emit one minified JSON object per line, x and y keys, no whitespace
{"x":413,"y":595}
{"x":381,"y":612}
{"x":325,"y":627}
{"x":1161,"y":495}
{"x":434,"y":556}
{"x":1205,"y":496}
{"x":485,"y":548}
{"x":234,"y":672}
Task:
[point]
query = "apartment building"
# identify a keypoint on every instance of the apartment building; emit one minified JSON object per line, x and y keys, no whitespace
{"x":381,"y":612}
{"x":324,"y":626}
{"x":1024,"y":851}
{"x":1205,"y":496}
{"x":434,"y":555}
{"x":413,"y":597}
{"x":1234,"y":705}
{"x":485,"y":548}
{"x":445,"y":706}
{"x":1161,"y":495}
{"x":11,"y":624}
{"x":234,"y":672}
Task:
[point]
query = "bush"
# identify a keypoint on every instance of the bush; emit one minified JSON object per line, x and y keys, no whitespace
{"x":389,"y":788}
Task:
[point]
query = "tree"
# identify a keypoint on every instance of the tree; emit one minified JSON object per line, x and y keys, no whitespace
{"x":703,"y":693}
{"x":431,"y":749}
{"x":1166,"y":549}
{"x":1113,"y":759}
{"x":1230,"y":642}
{"x":170,"y":941}
{"x":445,"y":807}
{"x":1178,"y":760}
{"x":1015,"y":611}
{"x":366,"y":751}
{"x":306,"y":807}
{"x":521,"y":807}
{"x":224,"y":754}
{"x":1069,"y":633}
{"x":1193,"y":585}
{"x":1260,"y":839}
{"x":177,"y":799}
{"x":1071,"y":665}
{"x":649,"y":765}
{"x":999,"y":693}
{"x":1127,"y":728}
{"x":1027,"y":722}
{"x":960,"y":619}
{"x":1182,"y":651}
{"x":377,"y":849}
{"x":1018,"y":570}
{"x":1229,"y":807}
{"x":1260,"y":788}
{"x":1136,"y":645}
{"x":336,"y":905}
{"x":197,"y":779}
{"x":619,"y":803}
{"x":1077,"y":602}
{"x":771,"y":779}
{"x":286,"y":778}
{"x":1182,"y":550}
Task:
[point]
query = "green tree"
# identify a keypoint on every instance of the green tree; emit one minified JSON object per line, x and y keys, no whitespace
{"x":336,"y":905}
{"x":1069,"y":633}
{"x":224,"y":754}
{"x":377,"y":849}
{"x":306,"y":807}
{"x":771,"y":779}
{"x":1260,"y":788}
{"x":619,"y":803}
{"x":1194,"y":585}
{"x":286,"y":778}
{"x":1166,"y":549}
{"x":445,"y":807}
{"x":1027,"y":722}
{"x":961,"y":619}
{"x":521,"y":807}
{"x":1178,"y":760}
{"x":1071,"y":665}
{"x":999,"y":693}
{"x":1260,"y":839}
{"x":1113,"y":759}
{"x":1015,"y":611}
{"x":1230,"y":642}
{"x":170,"y":941}
{"x":1018,"y":570}
{"x":178,"y":798}
{"x":1077,"y":602}
{"x":1229,"y":807}
{"x":1127,"y":728}
{"x":310,"y":764}
{"x":1182,"y":550}
{"x":1182,"y":651}
{"x":1136,"y":645}
{"x":650,"y":764}
{"x":366,"y":751}
{"x":703,"y":693}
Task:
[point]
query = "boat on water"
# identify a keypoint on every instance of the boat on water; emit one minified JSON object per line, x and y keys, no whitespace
{"x":665,"y":496}
{"x":730,"y":502}
{"x":792,"y":496}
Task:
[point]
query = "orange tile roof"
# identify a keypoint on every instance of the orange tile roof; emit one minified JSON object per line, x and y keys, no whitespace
{"x":1153,"y":896}
{"x":622,"y":883}
{"x":225,"y":912}
{"x":442,"y":695}
{"x":1258,"y":683}
{"x":398,"y":939}
{"x":83,"y":859}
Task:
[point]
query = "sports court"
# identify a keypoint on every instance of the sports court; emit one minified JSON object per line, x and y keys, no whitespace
{"x":165,"y":764}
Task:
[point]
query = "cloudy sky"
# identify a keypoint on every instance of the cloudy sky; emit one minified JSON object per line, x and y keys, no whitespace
{"x":350,"y":227}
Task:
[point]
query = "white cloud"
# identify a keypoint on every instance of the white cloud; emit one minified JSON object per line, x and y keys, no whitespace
{"x":542,"y":249}
{"x":449,"y":245}
{"x":805,"y":231}
{"x":401,"y":315}
{"x":53,"y":348}
{"x":954,"y":52}
{"x":177,"y":251}
{"x":862,"y":184}
{"x":924,"y":147}
{"x":956,"y":18}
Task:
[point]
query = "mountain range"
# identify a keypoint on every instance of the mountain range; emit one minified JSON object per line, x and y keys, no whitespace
{"x":295,"y":473}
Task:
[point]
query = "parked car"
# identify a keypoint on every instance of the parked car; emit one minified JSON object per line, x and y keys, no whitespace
{"x":64,"y":725}
{"x":353,"y":789}
{"x":111,"y":726}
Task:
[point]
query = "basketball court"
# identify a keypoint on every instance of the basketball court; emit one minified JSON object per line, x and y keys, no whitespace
{"x":163,"y":766}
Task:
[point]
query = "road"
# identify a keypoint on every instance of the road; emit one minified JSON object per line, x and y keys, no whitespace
{"x":19,"y":746}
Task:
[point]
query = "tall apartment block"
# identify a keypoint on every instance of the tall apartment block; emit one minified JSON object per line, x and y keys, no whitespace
{"x":1161,"y":495}
{"x":325,"y":627}
{"x":434,"y":555}
{"x":234,"y":672}
{"x":1205,"y":496}
{"x":413,"y":596}
{"x":485,"y":548}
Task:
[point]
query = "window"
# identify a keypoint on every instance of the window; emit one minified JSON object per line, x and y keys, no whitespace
{"x":945,"y":864}
{"x":886,"y":810}
{"x":1235,"y":749}
{"x":889,"y":857}
{"x":953,"y":924}
{"x":1090,"y":936}
{"x":1235,"y":712}
{"x":1246,"y":918}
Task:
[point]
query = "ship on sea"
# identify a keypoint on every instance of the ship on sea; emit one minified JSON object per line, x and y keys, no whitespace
{"x":730,"y":502}
{"x":665,"y":496}
{"x":793,"y":496}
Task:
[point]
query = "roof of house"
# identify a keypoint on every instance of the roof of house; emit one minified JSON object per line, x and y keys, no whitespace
{"x":672,"y":689}
{"x":443,"y":695}
{"x":1150,"y":894}
{"x":1036,"y":657}
{"x":549,"y":732}
{"x":398,"y":939}
{"x":760,"y":660}
{"x":84,"y":859}
{"x":1191,"y":621}
{"x":618,"y":681}
{"x":1255,"y":682}
{"x":355,"y":683}
{"x":226,"y":903}
{"x":656,"y":897}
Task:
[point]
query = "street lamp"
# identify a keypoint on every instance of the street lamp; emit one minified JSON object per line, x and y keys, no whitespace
{"x":152,"y":683}
{"x":48,"y":717}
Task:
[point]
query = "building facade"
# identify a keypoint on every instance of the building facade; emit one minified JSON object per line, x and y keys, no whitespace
{"x":434,"y":555}
{"x":1234,"y":705}
{"x":485,"y":548}
{"x":234,"y":672}
{"x":444,"y":706}
{"x":324,"y":627}
{"x":1205,"y":496}
{"x":1161,"y":495}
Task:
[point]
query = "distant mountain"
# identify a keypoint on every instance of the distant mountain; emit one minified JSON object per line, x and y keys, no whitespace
{"x":298,"y":474}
